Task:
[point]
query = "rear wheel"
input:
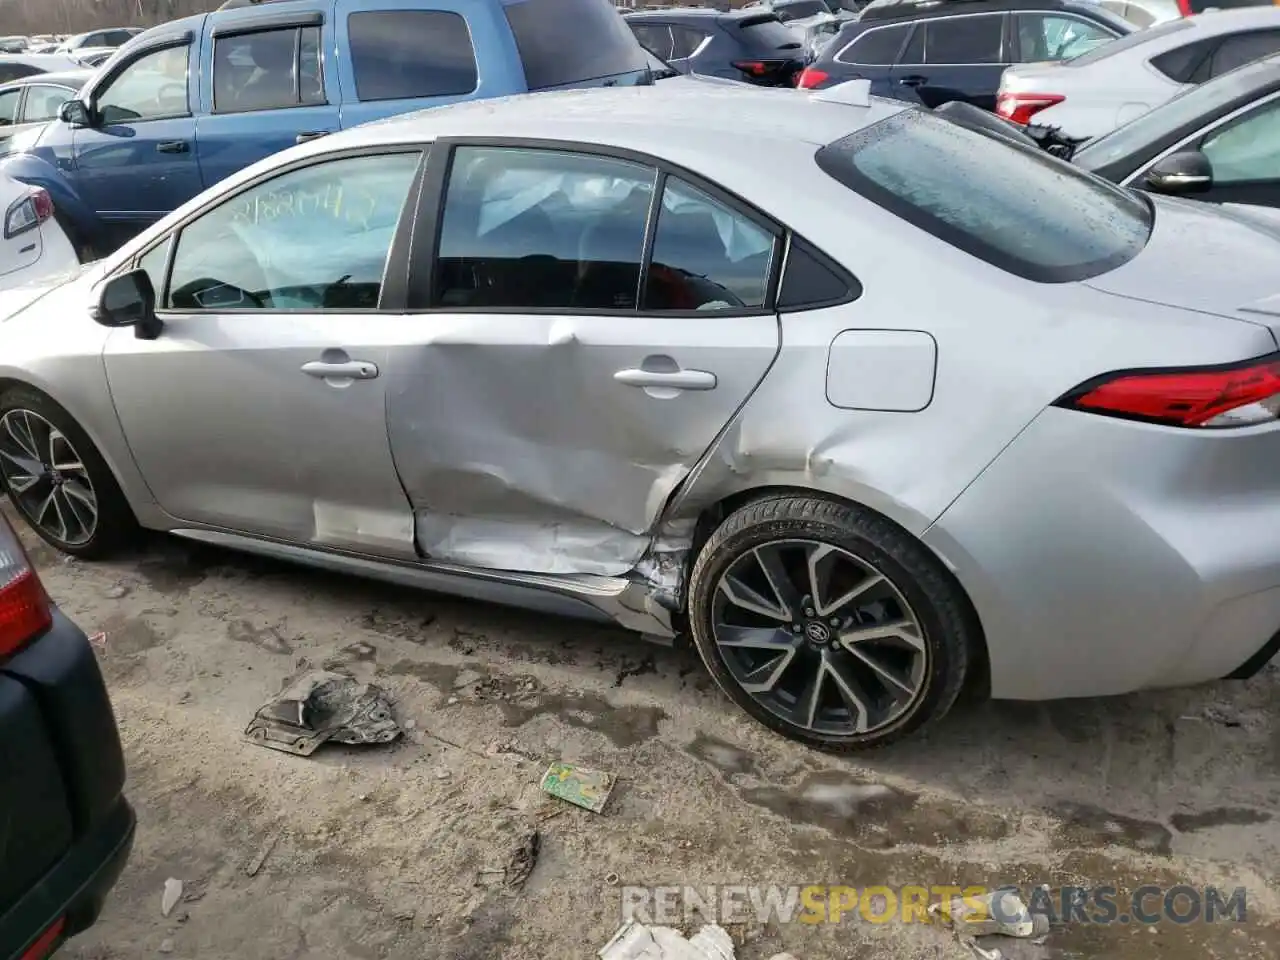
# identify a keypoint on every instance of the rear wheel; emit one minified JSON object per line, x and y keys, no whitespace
{"x":57,"y":480}
{"x":828,"y":623}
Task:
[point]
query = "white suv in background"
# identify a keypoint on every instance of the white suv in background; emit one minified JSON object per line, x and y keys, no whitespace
{"x":1108,"y":86}
{"x":32,"y":245}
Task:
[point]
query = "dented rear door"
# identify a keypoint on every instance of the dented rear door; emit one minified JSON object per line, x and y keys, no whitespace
{"x":544,"y":412}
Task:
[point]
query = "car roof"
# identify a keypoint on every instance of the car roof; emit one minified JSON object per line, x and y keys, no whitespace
{"x":914,"y":9}
{"x":65,"y":78}
{"x":710,"y":13}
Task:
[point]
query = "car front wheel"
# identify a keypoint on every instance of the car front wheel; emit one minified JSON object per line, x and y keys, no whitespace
{"x":828,"y":623}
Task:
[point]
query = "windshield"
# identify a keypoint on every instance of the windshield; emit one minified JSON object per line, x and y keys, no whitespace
{"x":1013,"y":206}
{"x":1198,"y":103}
{"x":1129,"y":41}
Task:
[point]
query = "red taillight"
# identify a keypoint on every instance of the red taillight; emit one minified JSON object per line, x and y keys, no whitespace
{"x":24,"y":606}
{"x":43,"y":204}
{"x":757,"y":68}
{"x":45,"y":943}
{"x":28,"y":212}
{"x":810,"y":77}
{"x":1238,"y":395}
{"x":1021,"y":107}
{"x":1184,"y":8}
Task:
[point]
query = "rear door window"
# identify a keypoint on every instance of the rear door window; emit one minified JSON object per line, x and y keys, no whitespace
{"x":404,"y":54}
{"x":877,"y":47}
{"x":1243,"y":48}
{"x":1014,"y":207}
{"x":961,"y":40}
{"x":1047,"y":36}
{"x":43,"y":102}
{"x":267,"y":70}
{"x":9,"y":107}
{"x":766,"y":34}
{"x":1248,"y":149}
{"x":655,"y":37}
{"x":562,"y":42}
{"x":685,"y":42}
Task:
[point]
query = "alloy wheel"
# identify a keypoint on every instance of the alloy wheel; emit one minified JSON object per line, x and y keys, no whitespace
{"x":46,"y":478}
{"x":819,"y":637}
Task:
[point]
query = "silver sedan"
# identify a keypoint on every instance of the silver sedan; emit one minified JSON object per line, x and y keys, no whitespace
{"x":954,"y":414}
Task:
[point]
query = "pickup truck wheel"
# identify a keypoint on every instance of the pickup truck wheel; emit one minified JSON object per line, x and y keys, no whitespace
{"x":57,"y":480}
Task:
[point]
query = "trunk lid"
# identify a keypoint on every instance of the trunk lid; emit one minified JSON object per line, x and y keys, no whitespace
{"x":1201,"y":257}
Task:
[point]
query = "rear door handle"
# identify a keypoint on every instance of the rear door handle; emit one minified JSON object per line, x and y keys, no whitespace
{"x":676,"y":379}
{"x":347,"y":369}
{"x":172,"y":146}
{"x":309,"y":135}
{"x":915,"y":80}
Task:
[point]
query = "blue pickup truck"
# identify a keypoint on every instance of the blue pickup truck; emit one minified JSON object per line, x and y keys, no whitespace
{"x":187,"y":103}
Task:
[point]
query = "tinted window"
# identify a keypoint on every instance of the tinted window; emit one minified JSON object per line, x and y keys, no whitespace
{"x":1248,"y":149}
{"x":568,"y":41}
{"x":797,"y":11}
{"x":1131,"y":40}
{"x":655,"y":37}
{"x":117,"y":38}
{"x":411,"y":53}
{"x":12,"y":71}
{"x":1014,"y":207}
{"x":154,"y":85}
{"x":311,"y":239}
{"x":255,"y":71}
{"x":876,"y":47}
{"x":1244,"y":48}
{"x":766,"y":34}
{"x":686,"y":41}
{"x":1046,"y":36}
{"x":963,"y":40}
{"x":706,"y":256}
{"x":43,"y":101}
{"x":9,"y":107}
{"x":539,"y":228}
{"x":811,"y":280}
{"x":1180,"y":63}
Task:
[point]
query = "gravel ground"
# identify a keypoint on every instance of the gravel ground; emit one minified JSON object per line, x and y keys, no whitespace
{"x":381,"y":852}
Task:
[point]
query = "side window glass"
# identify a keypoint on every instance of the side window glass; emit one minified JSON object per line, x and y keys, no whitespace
{"x":542,"y":229}
{"x":310,"y":68}
{"x":312,"y":239}
{"x":13,"y":71}
{"x":411,"y":53}
{"x":961,"y":40}
{"x":914,"y":52}
{"x":255,"y":71}
{"x":1044,"y":37}
{"x":9,"y":107}
{"x":706,"y":256}
{"x":154,"y":262}
{"x":1245,"y":48}
{"x":655,"y":38}
{"x":877,"y":47}
{"x":1248,"y":149}
{"x":153,"y":86}
{"x":685,"y":42}
{"x":43,"y":102}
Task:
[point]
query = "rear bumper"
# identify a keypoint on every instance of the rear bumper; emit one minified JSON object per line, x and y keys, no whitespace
{"x":1105,"y":556}
{"x":76,"y":888}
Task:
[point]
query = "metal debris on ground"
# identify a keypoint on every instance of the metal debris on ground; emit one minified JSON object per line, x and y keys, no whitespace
{"x":98,"y":641}
{"x":998,"y":913}
{"x":253,"y":866}
{"x":172,"y":894}
{"x":320,"y":706}
{"x":580,"y":786}
{"x":637,"y":941}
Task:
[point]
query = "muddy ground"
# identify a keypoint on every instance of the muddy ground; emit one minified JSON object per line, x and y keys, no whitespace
{"x":381,"y":852}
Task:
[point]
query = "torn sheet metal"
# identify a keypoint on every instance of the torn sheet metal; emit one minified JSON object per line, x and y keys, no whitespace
{"x":320,"y":706}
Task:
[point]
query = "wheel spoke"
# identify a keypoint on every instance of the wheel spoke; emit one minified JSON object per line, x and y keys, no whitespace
{"x":754,"y":638}
{"x":741,"y":595}
{"x":852,"y":693}
{"x":765,"y":677}
{"x":820,"y":562}
{"x":900,"y":687}
{"x":20,"y":483}
{"x":79,"y":510}
{"x":779,"y":580}
{"x":86,"y":497}
{"x":903,"y":630}
{"x":22,"y":436}
{"x":28,"y":465}
{"x":54,"y":491}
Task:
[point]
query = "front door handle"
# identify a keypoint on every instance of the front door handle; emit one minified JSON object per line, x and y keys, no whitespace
{"x":915,"y":80}
{"x":172,"y":146}
{"x":673,"y":380}
{"x":346,"y":369}
{"x":309,"y":135}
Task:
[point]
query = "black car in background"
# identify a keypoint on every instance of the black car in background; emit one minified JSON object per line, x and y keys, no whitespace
{"x":65,"y":827}
{"x":937,"y":51}
{"x":1219,"y":141}
{"x":748,"y":45}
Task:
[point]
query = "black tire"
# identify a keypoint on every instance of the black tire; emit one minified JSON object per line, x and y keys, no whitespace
{"x":115,"y":527}
{"x":945,"y":620}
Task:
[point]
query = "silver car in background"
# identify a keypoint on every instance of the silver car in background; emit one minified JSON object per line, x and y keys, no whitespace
{"x":955,"y":415}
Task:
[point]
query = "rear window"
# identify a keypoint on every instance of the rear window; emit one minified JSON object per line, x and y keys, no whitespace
{"x":403,"y":54}
{"x":1015,"y":207}
{"x":12,"y":71}
{"x":800,"y":9}
{"x":570,"y":41}
{"x":766,"y":33}
{"x":1129,"y":41}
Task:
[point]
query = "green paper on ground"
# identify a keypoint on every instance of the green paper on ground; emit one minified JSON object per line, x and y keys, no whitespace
{"x":580,"y":786}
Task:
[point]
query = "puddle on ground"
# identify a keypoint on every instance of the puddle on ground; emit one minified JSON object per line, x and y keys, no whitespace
{"x":127,"y":636}
{"x":268,"y":638}
{"x":1087,"y":825}
{"x":725,"y":757}
{"x":624,"y":726}
{"x":358,"y":652}
{"x":439,"y":675}
{"x":173,"y":571}
{"x":877,"y":815}
{"x":1220,"y":817}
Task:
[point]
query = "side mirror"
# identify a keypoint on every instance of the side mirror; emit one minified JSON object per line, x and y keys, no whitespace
{"x":1181,"y":173}
{"x":76,"y":113}
{"x":129,"y":300}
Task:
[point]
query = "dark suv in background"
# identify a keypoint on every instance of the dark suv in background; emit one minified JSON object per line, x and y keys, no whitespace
{"x":936,"y":51}
{"x":748,"y":45}
{"x":65,"y":827}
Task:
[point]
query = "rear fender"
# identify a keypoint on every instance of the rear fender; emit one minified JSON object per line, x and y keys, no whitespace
{"x":72,"y":211}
